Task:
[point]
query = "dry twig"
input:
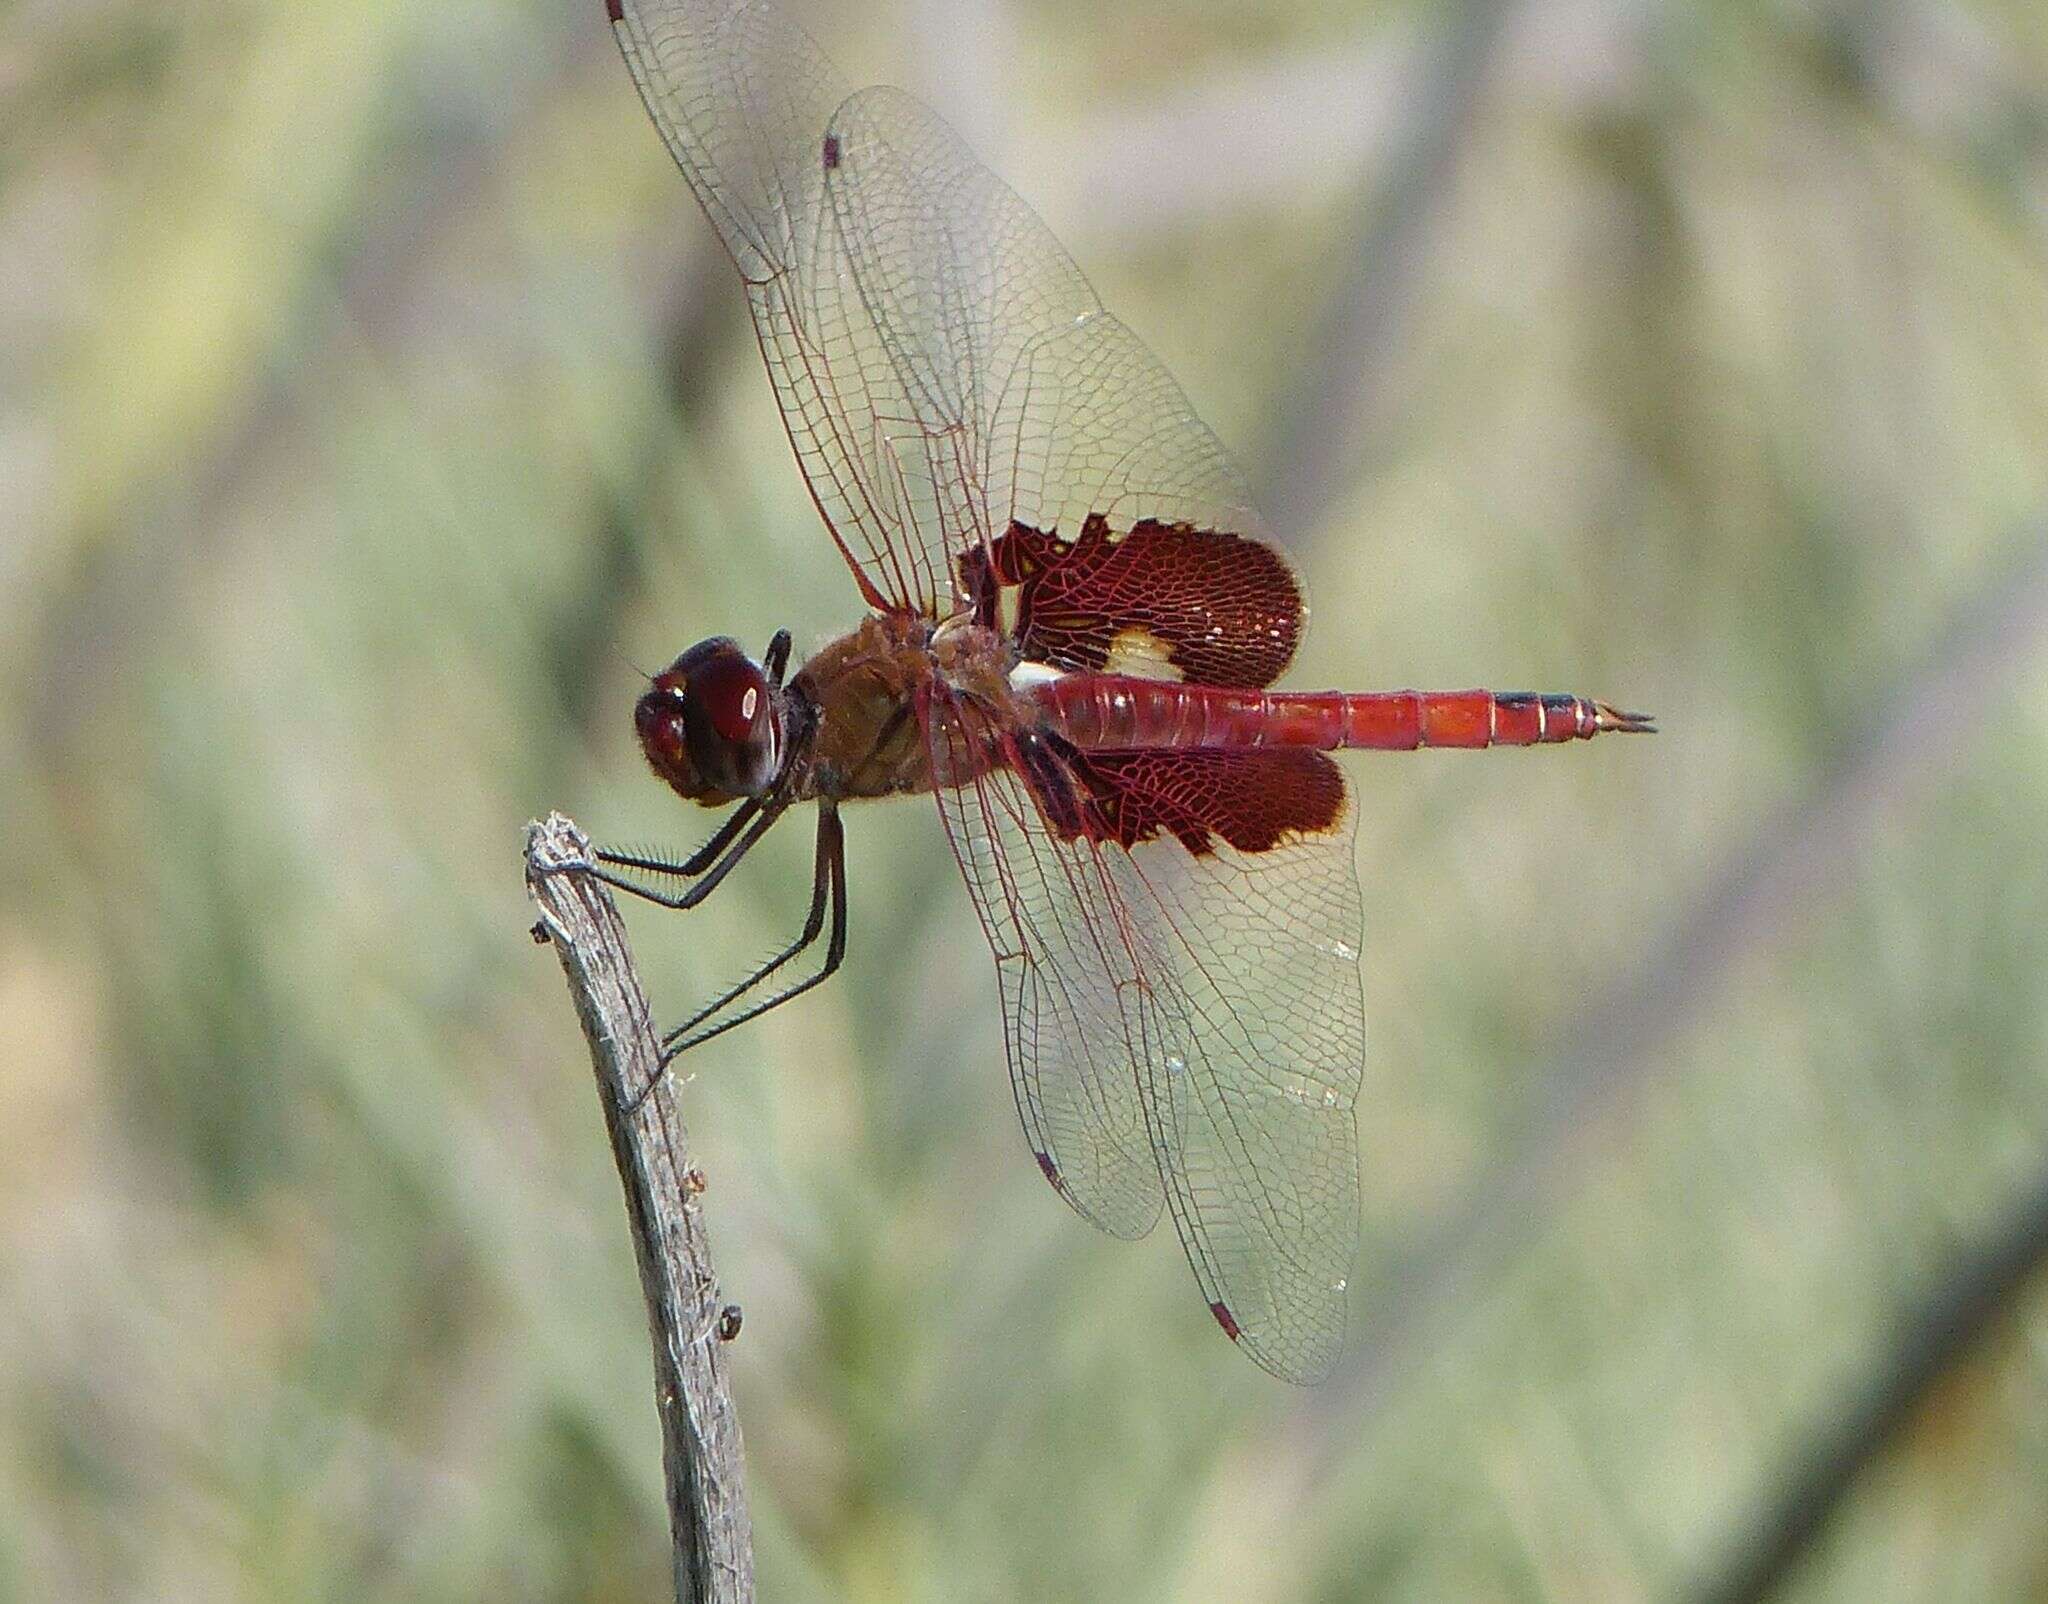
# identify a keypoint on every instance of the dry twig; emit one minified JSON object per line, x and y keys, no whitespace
{"x":689,"y":1323}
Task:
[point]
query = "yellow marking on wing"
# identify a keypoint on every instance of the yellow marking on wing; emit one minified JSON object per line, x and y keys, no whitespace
{"x":1139,"y":652}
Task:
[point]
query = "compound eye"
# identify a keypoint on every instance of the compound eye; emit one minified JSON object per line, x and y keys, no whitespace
{"x":733,"y":692}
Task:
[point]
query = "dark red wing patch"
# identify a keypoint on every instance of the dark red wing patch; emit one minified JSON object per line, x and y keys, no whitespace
{"x":1252,"y":801}
{"x":1219,"y":608}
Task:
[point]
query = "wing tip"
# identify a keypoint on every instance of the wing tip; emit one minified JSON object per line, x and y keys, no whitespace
{"x":1307,"y":1368}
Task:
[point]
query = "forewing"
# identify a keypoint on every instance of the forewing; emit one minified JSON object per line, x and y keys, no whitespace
{"x":743,"y":98}
{"x":1033,"y":404}
{"x":1187,"y":1003}
{"x":944,"y":369}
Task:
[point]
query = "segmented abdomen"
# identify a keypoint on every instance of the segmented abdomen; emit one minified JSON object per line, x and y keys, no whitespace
{"x":1119,"y":713}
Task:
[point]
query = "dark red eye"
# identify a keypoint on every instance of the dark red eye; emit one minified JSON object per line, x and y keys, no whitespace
{"x":733,"y":692}
{"x":710,"y":724}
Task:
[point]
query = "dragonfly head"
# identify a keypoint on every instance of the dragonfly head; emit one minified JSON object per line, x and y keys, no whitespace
{"x":711,"y":724}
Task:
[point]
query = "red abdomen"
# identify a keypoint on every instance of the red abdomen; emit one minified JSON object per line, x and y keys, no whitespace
{"x":1119,"y":713}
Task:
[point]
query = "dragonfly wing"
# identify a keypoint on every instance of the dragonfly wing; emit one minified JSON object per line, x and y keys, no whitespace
{"x":1166,"y":600}
{"x":1036,"y":406}
{"x":945,"y":372}
{"x":1062,"y":965}
{"x":743,"y":98}
{"x":1188,"y":923}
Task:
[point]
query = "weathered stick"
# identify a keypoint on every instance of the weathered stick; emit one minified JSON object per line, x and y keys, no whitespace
{"x":689,"y":1323}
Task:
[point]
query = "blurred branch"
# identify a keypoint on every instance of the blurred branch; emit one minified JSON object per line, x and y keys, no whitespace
{"x":1240,"y":138}
{"x":1297,"y":123}
{"x":1798,"y":854}
{"x":1856,"y":1429}
{"x":700,"y":1429}
{"x":1350,"y":353}
{"x":1307,"y":122}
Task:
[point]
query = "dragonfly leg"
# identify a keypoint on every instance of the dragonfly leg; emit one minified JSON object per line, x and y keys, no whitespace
{"x":714,"y":860}
{"x":828,"y":889}
{"x":697,"y":862}
{"x":776,"y":659}
{"x":814,"y":923}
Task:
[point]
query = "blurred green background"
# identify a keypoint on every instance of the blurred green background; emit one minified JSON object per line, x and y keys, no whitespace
{"x":373,"y":399}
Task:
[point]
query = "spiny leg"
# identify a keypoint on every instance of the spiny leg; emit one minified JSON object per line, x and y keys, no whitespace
{"x":692,"y":866}
{"x":814,"y":922}
{"x":830,"y":875}
{"x":769,"y":811}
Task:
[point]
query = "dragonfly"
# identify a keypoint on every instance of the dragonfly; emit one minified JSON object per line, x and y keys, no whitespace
{"x":1073,"y":621}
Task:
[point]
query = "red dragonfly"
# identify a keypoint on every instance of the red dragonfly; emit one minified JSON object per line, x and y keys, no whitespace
{"x":1072,"y":621}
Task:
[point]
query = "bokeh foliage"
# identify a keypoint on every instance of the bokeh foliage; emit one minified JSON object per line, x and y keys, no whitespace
{"x":372,"y":401}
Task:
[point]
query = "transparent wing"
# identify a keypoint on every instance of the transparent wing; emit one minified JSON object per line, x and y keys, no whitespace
{"x":743,"y":98}
{"x":1041,"y":407}
{"x":943,"y":367}
{"x":1062,"y":963}
{"x":1185,"y":1021}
